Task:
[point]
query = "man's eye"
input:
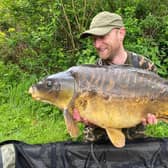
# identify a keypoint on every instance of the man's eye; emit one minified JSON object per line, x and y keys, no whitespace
{"x":49,"y":84}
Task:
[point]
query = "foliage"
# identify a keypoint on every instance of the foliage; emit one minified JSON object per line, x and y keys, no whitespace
{"x":158,"y":130}
{"x":40,"y":37}
{"x":43,"y":36}
{"x":23,"y":118}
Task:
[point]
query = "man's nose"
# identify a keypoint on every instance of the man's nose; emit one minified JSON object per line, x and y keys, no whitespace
{"x":97,"y":42}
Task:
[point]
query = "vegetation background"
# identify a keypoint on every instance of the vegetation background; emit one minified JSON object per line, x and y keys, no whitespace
{"x":41,"y":37}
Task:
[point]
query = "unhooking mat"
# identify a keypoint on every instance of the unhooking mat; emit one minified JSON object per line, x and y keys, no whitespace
{"x":149,"y":153}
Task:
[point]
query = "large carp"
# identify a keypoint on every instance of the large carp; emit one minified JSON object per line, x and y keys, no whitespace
{"x":111,"y":97}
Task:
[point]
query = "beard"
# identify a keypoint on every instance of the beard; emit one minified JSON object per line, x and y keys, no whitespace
{"x":114,"y":53}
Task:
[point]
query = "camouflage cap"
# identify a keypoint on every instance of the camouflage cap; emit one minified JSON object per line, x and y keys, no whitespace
{"x":103,"y":23}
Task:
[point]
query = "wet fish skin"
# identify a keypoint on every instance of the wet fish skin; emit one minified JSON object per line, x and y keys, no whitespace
{"x":112,"y":97}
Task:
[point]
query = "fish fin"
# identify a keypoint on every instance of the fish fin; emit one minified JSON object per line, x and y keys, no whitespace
{"x":116,"y":137}
{"x":70,"y":124}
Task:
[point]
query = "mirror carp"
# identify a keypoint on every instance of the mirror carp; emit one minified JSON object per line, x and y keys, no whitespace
{"x":111,"y":97}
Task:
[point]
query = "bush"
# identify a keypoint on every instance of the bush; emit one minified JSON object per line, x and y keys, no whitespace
{"x":42,"y":37}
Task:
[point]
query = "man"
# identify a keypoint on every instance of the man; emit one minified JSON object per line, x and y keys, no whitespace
{"x":108,"y":33}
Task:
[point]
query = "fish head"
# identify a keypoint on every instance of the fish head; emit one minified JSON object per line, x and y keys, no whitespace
{"x":56,"y":89}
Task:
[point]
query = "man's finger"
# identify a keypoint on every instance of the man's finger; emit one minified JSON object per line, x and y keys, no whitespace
{"x":151,"y":119}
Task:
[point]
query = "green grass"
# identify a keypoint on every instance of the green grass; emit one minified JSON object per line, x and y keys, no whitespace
{"x":24,"y":119}
{"x":159,"y":130}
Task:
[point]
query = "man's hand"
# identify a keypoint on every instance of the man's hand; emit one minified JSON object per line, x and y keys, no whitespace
{"x":76,"y":115}
{"x":78,"y":118}
{"x":151,"y":119}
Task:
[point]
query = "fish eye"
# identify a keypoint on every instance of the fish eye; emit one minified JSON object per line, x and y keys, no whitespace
{"x":49,"y":83}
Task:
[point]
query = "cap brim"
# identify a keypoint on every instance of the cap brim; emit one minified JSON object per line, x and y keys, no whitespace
{"x":96,"y":32}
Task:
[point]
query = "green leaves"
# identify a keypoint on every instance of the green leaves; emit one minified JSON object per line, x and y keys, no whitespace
{"x":44,"y":34}
{"x":159,"y":130}
{"x":41,"y":37}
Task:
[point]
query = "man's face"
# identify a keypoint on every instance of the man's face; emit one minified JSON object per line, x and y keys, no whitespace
{"x":109,"y":45}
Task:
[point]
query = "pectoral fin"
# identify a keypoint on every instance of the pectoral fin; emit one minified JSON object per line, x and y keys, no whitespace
{"x":70,"y":124}
{"x":116,"y":137}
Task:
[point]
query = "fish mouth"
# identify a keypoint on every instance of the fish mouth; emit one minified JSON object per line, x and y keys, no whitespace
{"x":32,"y":91}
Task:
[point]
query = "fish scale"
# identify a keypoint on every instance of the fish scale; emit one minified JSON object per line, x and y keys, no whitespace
{"x":112,"y":97}
{"x":123,"y":81}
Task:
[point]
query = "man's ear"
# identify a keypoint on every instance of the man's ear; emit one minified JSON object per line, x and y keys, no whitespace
{"x":122,"y":33}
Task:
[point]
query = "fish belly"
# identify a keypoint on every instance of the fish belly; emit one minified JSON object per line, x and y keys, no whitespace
{"x":116,"y":112}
